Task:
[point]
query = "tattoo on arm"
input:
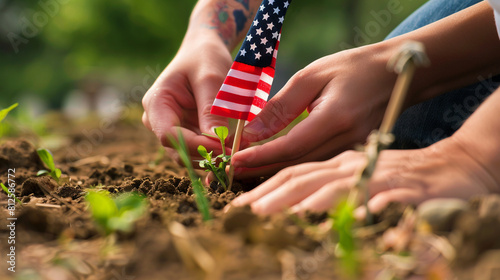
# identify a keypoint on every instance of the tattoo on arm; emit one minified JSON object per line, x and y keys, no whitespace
{"x":230,"y":18}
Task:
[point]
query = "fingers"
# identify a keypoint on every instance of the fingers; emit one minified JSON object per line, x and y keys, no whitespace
{"x":325,"y":198}
{"x":164,"y":104}
{"x":255,"y":161}
{"x":205,"y":96}
{"x":380,"y":201}
{"x":283,"y":108}
{"x":293,"y":192}
{"x":265,"y":188}
{"x":293,"y":185}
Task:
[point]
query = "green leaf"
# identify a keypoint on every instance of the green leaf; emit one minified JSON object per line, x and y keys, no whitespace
{"x":130,"y":201}
{"x":199,"y":191}
{"x":4,"y":112}
{"x":47,"y":158}
{"x":203,"y":152}
{"x":6,"y":190}
{"x":222,"y":132}
{"x":102,"y":208}
{"x":343,"y":220}
{"x":55,"y":174}
{"x":201,"y":200}
{"x":42,"y":172}
{"x":58,"y":173}
{"x":130,"y":208}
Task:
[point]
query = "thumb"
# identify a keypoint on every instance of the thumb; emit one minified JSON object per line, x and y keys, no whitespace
{"x":205,"y":95}
{"x":283,"y":108}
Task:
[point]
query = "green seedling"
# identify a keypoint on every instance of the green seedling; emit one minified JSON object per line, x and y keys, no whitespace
{"x":10,"y":194}
{"x":343,"y":221}
{"x":199,"y":191}
{"x":48,"y":160}
{"x":210,"y":162}
{"x":115,"y":214}
{"x":4,"y":112}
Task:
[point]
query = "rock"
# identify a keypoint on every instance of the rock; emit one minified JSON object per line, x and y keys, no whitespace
{"x":19,"y":153}
{"x":490,"y":206}
{"x":488,"y":267}
{"x":37,"y":185}
{"x":238,"y":218}
{"x":440,"y":214}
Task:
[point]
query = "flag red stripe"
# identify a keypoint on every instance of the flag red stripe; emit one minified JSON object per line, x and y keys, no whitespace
{"x":269,"y":71}
{"x":264,"y":86}
{"x":241,"y":83}
{"x":259,"y":102}
{"x":229,"y":113}
{"x":227,"y":96}
{"x":246,"y":68}
{"x":250,"y":116}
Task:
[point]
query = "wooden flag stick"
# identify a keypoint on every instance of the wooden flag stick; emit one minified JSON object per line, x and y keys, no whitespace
{"x":404,"y":63}
{"x":236,"y":147}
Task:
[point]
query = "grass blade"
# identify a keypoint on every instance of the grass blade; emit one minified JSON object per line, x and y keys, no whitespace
{"x":199,"y":191}
{"x":4,"y":112}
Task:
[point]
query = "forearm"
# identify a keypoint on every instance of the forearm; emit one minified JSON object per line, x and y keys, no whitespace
{"x":479,"y":137}
{"x":221,"y":21}
{"x":461,"y":48}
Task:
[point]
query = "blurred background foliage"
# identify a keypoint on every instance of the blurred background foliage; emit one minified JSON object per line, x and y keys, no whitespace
{"x":50,"y":48}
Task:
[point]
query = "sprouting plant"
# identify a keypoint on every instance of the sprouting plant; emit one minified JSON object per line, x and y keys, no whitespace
{"x":48,"y":160}
{"x":343,"y":221}
{"x":115,"y":214}
{"x":4,"y":128}
{"x":10,"y":194}
{"x":210,"y":162}
{"x":4,"y":112}
{"x":199,"y":191}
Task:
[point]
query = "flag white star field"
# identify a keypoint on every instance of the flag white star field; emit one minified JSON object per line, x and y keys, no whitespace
{"x":246,"y":88}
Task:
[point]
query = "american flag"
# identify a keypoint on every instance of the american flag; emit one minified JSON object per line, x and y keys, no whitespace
{"x":246,"y":88}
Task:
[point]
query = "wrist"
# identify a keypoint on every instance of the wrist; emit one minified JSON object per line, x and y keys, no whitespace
{"x":476,"y":162}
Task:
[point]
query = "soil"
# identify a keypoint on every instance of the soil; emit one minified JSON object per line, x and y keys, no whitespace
{"x":56,"y":237}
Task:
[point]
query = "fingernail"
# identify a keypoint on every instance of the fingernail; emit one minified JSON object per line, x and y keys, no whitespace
{"x":296,"y":209}
{"x":212,"y":129}
{"x":360,"y":213}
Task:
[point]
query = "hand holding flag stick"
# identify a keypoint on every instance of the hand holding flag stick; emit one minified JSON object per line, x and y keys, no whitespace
{"x":246,"y":88}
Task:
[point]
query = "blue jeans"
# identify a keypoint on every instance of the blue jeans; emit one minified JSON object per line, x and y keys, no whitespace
{"x":428,"y":122}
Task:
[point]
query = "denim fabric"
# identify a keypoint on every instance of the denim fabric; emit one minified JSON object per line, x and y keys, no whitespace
{"x":426,"y":123}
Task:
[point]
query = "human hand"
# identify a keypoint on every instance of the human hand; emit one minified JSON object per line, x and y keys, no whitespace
{"x":183,"y":94}
{"x":346,"y":95}
{"x":444,"y":169}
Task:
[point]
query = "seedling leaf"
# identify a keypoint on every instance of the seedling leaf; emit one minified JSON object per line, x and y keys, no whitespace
{"x":101,"y":206}
{"x":42,"y":172}
{"x":6,"y":190}
{"x":47,"y":158}
{"x":118,"y":214}
{"x":57,"y":172}
{"x":343,"y":221}
{"x":4,"y":112}
{"x":222,"y":132}
{"x":210,"y":164}
{"x":203,"y":152}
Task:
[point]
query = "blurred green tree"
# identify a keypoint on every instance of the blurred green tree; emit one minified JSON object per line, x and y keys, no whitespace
{"x":47,"y":47}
